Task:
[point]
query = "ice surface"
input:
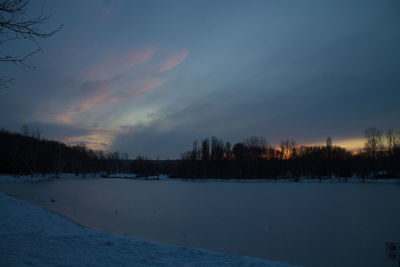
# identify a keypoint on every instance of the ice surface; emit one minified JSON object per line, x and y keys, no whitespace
{"x":32,"y":236}
{"x":309,"y":222}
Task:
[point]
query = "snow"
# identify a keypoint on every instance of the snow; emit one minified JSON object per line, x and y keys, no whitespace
{"x":23,"y":178}
{"x":4,"y":178}
{"x":31,"y":235}
{"x":27,"y":178}
{"x":352,"y":180}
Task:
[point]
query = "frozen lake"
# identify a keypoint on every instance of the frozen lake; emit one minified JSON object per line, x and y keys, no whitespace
{"x":313,"y":224}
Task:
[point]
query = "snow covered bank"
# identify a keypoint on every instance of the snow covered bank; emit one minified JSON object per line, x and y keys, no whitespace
{"x":26,"y":178}
{"x":353,"y":180}
{"x":31,"y":235}
{"x":23,"y":178}
{"x":6,"y":178}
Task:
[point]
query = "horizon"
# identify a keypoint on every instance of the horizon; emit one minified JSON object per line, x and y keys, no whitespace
{"x":150,"y":78}
{"x":353,"y":146}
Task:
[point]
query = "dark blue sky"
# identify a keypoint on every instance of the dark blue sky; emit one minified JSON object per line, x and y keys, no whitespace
{"x":150,"y":77}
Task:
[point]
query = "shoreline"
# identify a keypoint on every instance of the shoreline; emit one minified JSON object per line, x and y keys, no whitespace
{"x":32,"y":235}
{"x":6,"y":178}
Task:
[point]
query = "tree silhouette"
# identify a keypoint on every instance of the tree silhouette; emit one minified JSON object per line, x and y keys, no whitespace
{"x":253,"y":158}
{"x":15,"y":25}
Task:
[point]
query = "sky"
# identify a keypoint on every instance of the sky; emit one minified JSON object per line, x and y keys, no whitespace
{"x":150,"y":77}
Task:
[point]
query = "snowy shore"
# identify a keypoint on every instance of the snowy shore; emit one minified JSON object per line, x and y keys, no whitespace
{"x":27,"y":178}
{"x":31,"y":235}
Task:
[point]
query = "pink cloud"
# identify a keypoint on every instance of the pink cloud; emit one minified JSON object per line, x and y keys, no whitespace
{"x":174,"y":60}
{"x":149,"y":86}
{"x":95,"y":100}
{"x":143,"y":87}
{"x":55,"y":112}
{"x":96,"y":96}
{"x":116,"y":131}
{"x":66,"y":116}
{"x":99,"y":92}
{"x":105,"y":97}
{"x":117,"y":63}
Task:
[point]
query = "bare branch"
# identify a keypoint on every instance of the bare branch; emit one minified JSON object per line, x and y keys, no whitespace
{"x":5,"y":83}
{"x":20,"y":60}
{"x":14,"y":26}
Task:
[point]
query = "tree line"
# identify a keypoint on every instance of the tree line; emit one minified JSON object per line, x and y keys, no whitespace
{"x":28,"y":153}
{"x":254,"y":158}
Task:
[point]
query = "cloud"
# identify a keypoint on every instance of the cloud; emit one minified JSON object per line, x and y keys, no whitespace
{"x":78,"y":122}
{"x":97,"y":139}
{"x":111,"y":82}
{"x":119,"y":62}
{"x":351,"y":144}
{"x":148,"y":85}
{"x":98,"y":99}
{"x":64,"y":117}
{"x":59,"y":131}
{"x":108,"y":7}
{"x":174,"y":60}
{"x":149,"y":142}
{"x":105,"y":95}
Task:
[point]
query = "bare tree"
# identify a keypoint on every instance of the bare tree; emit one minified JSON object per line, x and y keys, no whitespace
{"x":15,"y":25}
{"x":205,"y":149}
{"x":217,"y":148}
{"x":329,"y":142}
{"x":31,"y":131}
{"x":228,"y":150}
{"x":374,"y":141}
{"x":6,"y":82}
{"x":286,"y":149}
{"x":196,"y":153}
{"x":255,"y":141}
{"x":396,"y":139}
